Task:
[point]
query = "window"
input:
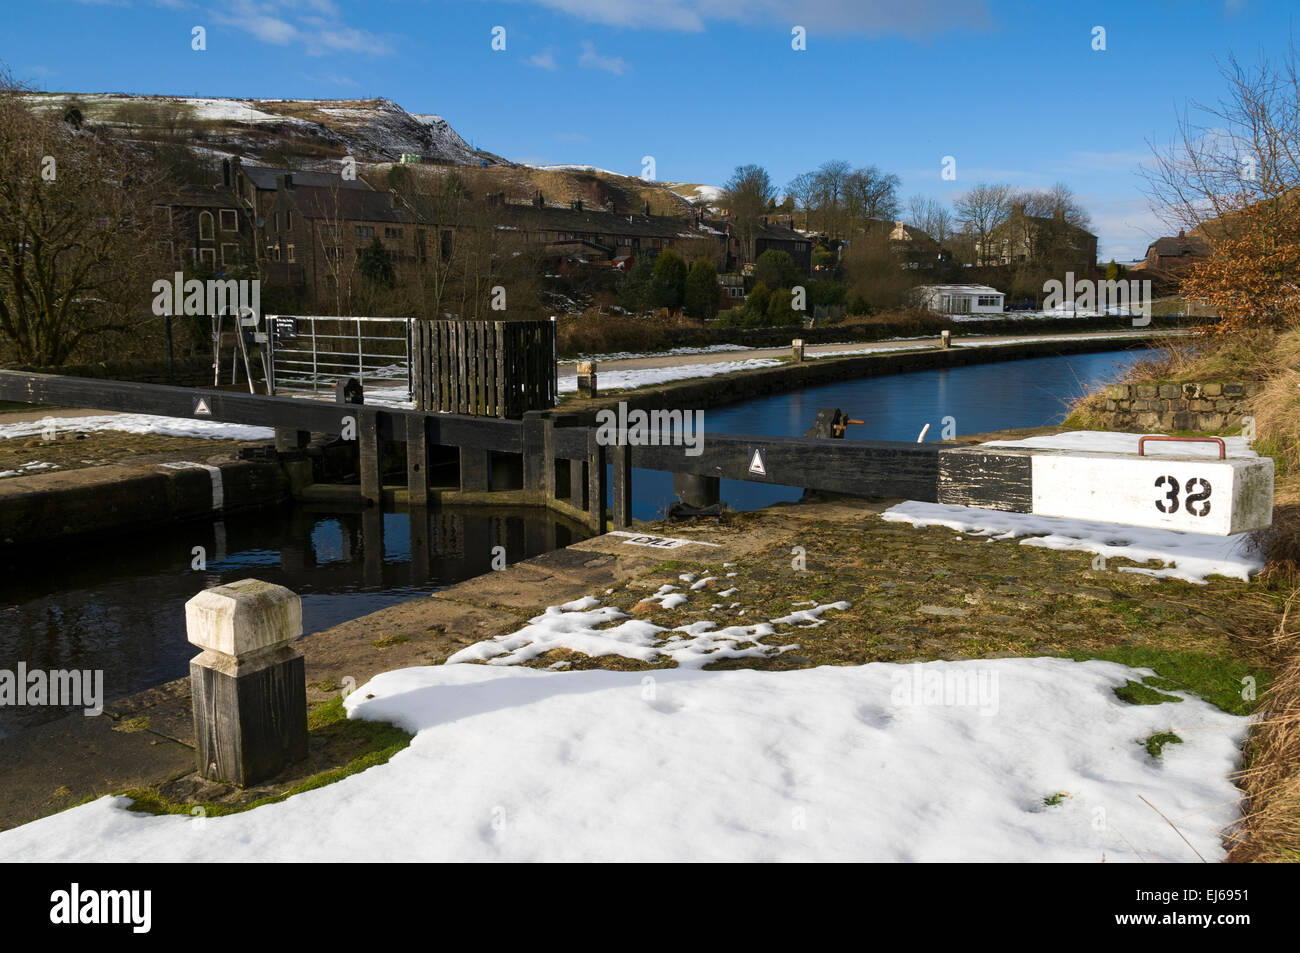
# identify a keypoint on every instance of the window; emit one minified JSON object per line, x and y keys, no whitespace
{"x":988,"y":301}
{"x":276,"y":221}
{"x":229,"y":253}
{"x":333,"y":253}
{"x":288,"y":221}
{"x":205,"y":226}
{"x":365,"y":231}
{"x":275,"y":252}
{"x":162,"y":216}
{"x":208,"y":256}
{"x":331,"y":232}
{"x":391,"y":232}
{"x":293,"y":257}
{"x":229,"y":220}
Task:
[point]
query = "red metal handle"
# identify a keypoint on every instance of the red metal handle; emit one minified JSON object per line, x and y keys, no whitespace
{"x":1223,"y":447}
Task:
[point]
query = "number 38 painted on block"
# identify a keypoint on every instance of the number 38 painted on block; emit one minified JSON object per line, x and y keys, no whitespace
{"x":1197,"y":500}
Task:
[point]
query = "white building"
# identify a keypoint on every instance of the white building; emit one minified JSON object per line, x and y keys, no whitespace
{"x":961,"y":299}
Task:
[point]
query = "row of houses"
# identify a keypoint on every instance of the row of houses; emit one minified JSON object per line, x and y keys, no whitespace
{"x":305,"y":230}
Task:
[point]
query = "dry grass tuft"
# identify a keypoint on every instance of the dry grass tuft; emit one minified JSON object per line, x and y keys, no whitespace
{"x":1270,"y":829}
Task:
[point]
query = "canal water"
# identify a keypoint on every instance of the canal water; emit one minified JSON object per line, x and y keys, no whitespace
{"x":100,"y":604}
{"x":980,"y":398}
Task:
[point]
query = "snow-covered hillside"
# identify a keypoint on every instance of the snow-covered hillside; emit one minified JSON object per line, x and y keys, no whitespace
{"x":372,"y":130}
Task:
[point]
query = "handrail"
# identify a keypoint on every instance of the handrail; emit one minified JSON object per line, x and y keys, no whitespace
{"x":1223,"y":447}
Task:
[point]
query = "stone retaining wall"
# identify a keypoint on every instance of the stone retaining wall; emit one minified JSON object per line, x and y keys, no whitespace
{"x":1209,"y":405}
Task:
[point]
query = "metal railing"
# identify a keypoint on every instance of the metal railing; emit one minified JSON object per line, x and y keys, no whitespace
{"x":311,"y":353}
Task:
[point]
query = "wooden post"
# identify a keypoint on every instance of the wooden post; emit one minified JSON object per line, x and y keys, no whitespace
{"x":578,"y":484}
{"x":291,"y":441}
{"x":475,"y":470}
{"x":535,"y":459}
{"x":699,"y":491}
{"x":369,"y":459}
{"x":249,"y":684}
{"x":945,"y":338}
{"x":587,"y":379}
{"x":417,"y":461}
{"x":596,"y":485}
{"x":796,"y":351}
{"x":622,"y":459}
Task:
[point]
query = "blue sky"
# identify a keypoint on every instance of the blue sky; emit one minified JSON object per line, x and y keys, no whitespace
{"x":1012,"y":89}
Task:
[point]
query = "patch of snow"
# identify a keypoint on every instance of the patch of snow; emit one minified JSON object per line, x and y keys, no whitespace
{"x":647,"y":376}
{"x":514,"y":764}
{"x":1188,"y":556}
{"x":138,"y":424}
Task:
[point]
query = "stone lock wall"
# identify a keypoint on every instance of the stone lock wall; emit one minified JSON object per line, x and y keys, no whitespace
{"x":1210,"y":405}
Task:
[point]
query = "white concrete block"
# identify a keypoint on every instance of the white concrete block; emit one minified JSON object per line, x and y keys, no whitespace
{"x":1192,"y":494}
{"x":243,"y":617}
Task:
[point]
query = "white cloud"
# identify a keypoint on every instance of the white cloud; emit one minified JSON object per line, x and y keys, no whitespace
{"x":590,"y":59}
{"x":313,"y":24}
{"x":910,"y":17}
{"x":543,"y":60}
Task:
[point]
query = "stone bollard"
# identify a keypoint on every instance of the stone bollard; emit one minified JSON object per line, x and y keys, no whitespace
{"x":945,"y":338}
{"x":586,"y":378}
{"x":796,"y":350}
{"x":249,"y":685}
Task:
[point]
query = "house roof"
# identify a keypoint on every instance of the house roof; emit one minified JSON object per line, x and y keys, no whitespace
{"x":1178,"y":246}
{"x":265,"y":178}
{"x":963,"y":289}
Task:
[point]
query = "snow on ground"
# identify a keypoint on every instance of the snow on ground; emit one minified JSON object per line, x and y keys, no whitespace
{"x":137,"y":423}
{"x":674,"y":352}
{"x":941,"y":761}
{"x":646,"y":376}
{"x":587,"y":627}
{"x":28,"y":468}
{"x":1188,"y":556}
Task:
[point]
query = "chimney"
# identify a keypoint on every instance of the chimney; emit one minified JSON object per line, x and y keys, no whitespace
{"x":284,"y":181}
{"x":609,"y":205}
{"x":576,"y":205}
{"x":538,"y":200}
{"x":392,"y":198}
{"x":1181,"y":233}
{"x":645,"y":209}
{"x":225,"y":173}
{"x":1059,"y":214}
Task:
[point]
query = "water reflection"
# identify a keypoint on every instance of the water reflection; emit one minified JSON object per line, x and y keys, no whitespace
{"x":99,"y":604}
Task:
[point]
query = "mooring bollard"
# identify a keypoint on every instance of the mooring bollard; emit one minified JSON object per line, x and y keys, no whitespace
{"x":796,"y":349}
{"x":249,"y":685}
{"x":945,"y":338}
{"x":586,"y":378}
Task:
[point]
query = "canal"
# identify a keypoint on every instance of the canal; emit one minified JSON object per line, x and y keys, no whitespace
{"x":100,"y":604}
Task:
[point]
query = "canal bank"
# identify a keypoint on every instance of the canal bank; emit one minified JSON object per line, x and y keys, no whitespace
{"x":788,"y":587}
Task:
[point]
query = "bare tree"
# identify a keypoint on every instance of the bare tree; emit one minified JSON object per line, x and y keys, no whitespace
{"x":803,"y":188}
{"x":983,"y":209}
{"x":748,"y":192}
{"x":79,"y":244}
{"x":1234,"y":153}
{"x":870,"y":195}
{"x":1232,"y":174}
{"x":930,"y":216}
